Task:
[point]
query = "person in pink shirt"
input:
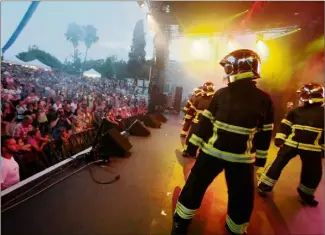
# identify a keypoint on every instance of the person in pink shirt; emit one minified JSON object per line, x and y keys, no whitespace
{"x":9,"y":167}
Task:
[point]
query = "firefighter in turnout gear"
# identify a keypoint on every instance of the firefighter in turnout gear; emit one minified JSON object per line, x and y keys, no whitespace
{"x":199,"y":105}
{"x":188,"y":117}
{"x":234,"y":135}
{"x":301,"y":133}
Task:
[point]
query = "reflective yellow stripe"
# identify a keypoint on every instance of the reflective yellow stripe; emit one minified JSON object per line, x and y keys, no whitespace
{"x":268,"y":127}
{"x":261,"y":153}
{"x":183,"y":212}
{"x":193,"y":107}
{"x":197,"y":141}
{"x":265,"y":179}
{"x":183,"y":132}
{"x":185,"y":147}
{"x":185,"y":109}
{"x":285,"y":121}
{"x":231,"y":157}
{"x":187,"y":116}
{"x":307,"y":128}
{"x":249,"y":143}
{"x":280,"y":136}
{"x":302,"y":146}
{"x":190,"y":103}
{"x":197,"y":116}
{"x":234,"y":129}
{"x":236,"y":228}
{"x":317,"y":100}
{"x":308,"y":191}
{"x":214,"y":137}
{"x":206,"y":113}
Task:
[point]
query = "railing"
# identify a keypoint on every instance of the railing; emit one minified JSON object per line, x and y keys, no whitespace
{"x":58,"y":150}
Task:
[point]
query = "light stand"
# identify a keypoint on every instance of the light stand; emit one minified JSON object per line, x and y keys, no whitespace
{"x":94,"y":155}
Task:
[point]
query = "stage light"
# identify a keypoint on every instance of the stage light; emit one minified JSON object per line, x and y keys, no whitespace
{"x":149,"y":17}
{"x":231,"y":45}
{"x":263,"y":50}
{"x":200,"y":49}
{"x":141,"y":4}
{"x":259,"y":37}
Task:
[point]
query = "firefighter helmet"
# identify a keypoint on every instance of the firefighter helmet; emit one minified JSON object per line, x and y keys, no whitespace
{"x":311,"y":93}
{"x":208,"y":86}
{"x":241,"y":64}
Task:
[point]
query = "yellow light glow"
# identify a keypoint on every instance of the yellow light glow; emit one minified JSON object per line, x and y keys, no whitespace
{"x":200,"y":49}
{"x":262,"y":50}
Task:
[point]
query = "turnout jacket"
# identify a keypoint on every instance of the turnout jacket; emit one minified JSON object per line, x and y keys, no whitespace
{"x":188,"y":108}
{"x":303,"y":128}
{"x":200,"y":104}
{"x":237,"y":126}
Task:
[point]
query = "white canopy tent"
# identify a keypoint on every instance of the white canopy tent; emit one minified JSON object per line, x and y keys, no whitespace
{"x":33,"y":64}
{"x":92,"y":73}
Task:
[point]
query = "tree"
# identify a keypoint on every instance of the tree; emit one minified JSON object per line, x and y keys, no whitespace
{"x":137,"y":53}
{"x":74,"y":35}
{"x":35,"y":53}
{"x":107,"y":68}
{"x":120,"y":69}
{"x":89,"y":37}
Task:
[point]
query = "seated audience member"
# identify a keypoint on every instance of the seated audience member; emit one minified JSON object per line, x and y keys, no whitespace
{"x":9,"y":167}
{"x":23,"y":128}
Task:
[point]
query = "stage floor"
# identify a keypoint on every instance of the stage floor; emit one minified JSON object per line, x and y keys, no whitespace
{"x":142,"y":201}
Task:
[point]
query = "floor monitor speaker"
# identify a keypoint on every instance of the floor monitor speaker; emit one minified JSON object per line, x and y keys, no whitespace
{"x":138,"y":129}
{"x":112,"y":143}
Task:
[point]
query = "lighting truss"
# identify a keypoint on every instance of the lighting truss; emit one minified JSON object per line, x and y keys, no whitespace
{"x":268,"y":34}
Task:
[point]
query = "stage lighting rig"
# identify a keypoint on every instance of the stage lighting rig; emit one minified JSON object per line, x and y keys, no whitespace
{"x":141,"y":3}
{"x":260,"y":37}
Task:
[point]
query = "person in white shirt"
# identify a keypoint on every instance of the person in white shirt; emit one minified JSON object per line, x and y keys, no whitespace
{"x":74,"y":105}
{"x":9,"y":167}
{"x":57,"y":105}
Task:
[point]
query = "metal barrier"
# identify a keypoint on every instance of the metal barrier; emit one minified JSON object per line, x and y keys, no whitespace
{"x":58,"y":150}
{"x":54,"y":152}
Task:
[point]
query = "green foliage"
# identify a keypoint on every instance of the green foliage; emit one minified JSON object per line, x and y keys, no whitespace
{"x":35,"y":53}
{"x":74,"y":35}
{"x":137,"y":54}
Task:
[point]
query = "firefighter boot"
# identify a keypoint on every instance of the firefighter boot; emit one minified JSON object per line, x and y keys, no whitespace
{"x":180,"y":226}
{"x":308,"y":200}
{"x":186,"y":154}
{"x":231,"y":233}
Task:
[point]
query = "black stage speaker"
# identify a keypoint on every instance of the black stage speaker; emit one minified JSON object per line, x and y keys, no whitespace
{"x":150,"y":121}
{"x":112,"y":143}
{"x":161,"y":118}
{"x":178,"y":98}
{"x":138,"y":129}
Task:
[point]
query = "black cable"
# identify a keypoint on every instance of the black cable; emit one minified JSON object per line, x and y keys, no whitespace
{"x":51,"y":185}
{"x":117,"y":177}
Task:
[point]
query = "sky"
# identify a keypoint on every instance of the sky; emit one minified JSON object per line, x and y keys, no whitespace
{"x":114,"y":21}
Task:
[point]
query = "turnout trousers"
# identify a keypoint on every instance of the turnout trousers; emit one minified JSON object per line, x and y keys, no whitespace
{"x":311,"y":173}
{"x":240,"y":182}
{"x":191,"y":149}
{"x":186,"y":126}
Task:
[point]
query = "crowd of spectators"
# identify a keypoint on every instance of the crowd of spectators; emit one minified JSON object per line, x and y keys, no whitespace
{"x":41,"y":105}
